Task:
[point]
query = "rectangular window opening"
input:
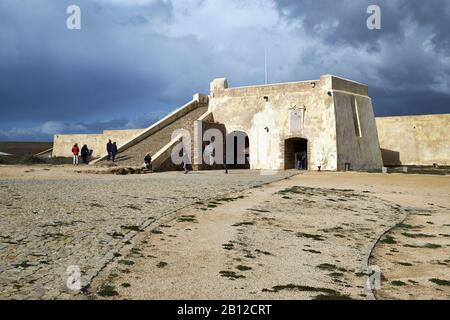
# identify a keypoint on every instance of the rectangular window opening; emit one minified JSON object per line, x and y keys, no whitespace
{"x":356,"y":121}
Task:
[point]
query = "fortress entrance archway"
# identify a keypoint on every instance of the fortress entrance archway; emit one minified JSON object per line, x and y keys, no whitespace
{"x":296,"y":154}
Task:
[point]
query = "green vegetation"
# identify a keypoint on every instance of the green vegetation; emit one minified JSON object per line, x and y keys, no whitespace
{"x":31,"y":160}
{"x":107,"y":291}
{"x":310,"y":236}
{"x":398,"y":283}
{"x":440,"y":282}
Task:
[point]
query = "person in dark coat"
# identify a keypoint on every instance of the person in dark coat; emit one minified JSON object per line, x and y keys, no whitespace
{"x":113,"y":152}
{"x":109,"y":149}
{"x":85,"y":154}
{"x":148,"y":161}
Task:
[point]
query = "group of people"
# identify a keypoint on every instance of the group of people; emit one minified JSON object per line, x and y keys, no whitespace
{"x":84,"y":152}
{"x":111,"y":148}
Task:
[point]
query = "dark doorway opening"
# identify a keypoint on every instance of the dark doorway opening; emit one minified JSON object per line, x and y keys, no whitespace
{"x":296,"y":154}
{"x":238,"y":150}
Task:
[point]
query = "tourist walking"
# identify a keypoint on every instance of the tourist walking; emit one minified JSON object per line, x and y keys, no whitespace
{"x":225,"y":164}
{"x":185,"y":163}
{"x":114,"y":152}
{"x":75,"y":152}
{"x":85,"y":154}
{"x":109,"y":149}
{"x":148,"y":161}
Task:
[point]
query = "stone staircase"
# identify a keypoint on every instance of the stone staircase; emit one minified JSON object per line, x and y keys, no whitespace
{"x":157,"y":136}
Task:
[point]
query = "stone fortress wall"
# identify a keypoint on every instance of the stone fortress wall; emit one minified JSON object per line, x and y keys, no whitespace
{"x":320,"y":112}
{"x":63,"y":143}
{"x":415,"y":140}
{"x":334,"y":116}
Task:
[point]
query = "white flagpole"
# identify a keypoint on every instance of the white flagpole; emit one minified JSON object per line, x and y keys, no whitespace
{"x":266,"y":76}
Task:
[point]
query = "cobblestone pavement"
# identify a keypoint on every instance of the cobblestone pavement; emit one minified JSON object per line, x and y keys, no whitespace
{"x":48,"y":225}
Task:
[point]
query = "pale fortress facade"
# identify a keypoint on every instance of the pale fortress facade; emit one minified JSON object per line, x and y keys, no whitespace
{"x":330,"y":121}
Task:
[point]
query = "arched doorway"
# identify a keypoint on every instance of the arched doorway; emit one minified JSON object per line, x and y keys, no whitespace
{"x":238,"y":150}
{"x":296,"y":154}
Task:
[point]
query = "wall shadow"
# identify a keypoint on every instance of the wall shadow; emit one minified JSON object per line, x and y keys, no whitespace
{"x":390,"y":157}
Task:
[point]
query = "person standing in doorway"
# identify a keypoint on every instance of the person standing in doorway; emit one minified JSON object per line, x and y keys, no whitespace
{"x":114,"y":152}
{"x":109,"y":149}
{"x":299,"y":161}
{"x":303,"y":160}
{"x":75,"y":152}
{"x":84,"y":154}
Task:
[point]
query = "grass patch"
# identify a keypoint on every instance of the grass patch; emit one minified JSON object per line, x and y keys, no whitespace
{"x":187,"y":218}
{"x":440,"y":282}
{"x":228,"y":246}
{"x":263,"y":252}
{"x":326,"y":267}
{"x":258,"y":210}
{"x":116,"y":235}
{"x":310,"y":236}
{"x":31,"y":160}
{"x":243,"y":268}
{"x":312,"y":251}
{"x":162,"y":264}
{"x":425,"y":246}
{"x":231,"y":275}
{"x":126,"y":262}
{"x":244,"y":223}
{"x":23,"y":264}
{"x":388,"y":240}
{"x":398,"y":283}
{"x":337,"y":296}
{"x":107,"y":291}
{"x":293,"y":287}
{"x":131,"y":206}
{"x":132,"y":228}
{"x":417,"y":235}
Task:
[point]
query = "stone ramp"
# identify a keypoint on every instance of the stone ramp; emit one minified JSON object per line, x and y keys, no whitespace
{"x":157,"y":136}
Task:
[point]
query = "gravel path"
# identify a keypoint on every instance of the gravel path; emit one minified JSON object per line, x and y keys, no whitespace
{"x":47,"y":225}
{"x":281,"y":241}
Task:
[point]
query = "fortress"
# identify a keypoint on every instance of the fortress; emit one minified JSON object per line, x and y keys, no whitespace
{"x":330,"y":122}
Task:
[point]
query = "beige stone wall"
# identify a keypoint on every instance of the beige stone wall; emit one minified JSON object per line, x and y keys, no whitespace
{"x":268,"y":125}
{"x":267,"y":122}
{"x":63,"y":143}
{"x":415,"y":140}
{"x":357,"y":140}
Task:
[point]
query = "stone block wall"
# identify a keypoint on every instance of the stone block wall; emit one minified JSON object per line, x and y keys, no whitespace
{"x":63,"y":143}
{"x":415,"y":140}
{"x":134,"y":155}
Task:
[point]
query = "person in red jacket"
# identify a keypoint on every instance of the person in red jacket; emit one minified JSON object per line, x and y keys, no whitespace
{"x":76,"y":152}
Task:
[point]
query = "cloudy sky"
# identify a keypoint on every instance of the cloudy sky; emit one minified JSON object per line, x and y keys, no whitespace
{"x":135,"y":60}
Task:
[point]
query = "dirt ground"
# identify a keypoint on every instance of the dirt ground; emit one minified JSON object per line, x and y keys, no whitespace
{"x":208,"y":235}
{"x":307,"y":237}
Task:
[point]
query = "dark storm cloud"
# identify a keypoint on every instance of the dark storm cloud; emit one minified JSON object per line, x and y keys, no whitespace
{"x":405,"y":70}
{"x":134,"y":60}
